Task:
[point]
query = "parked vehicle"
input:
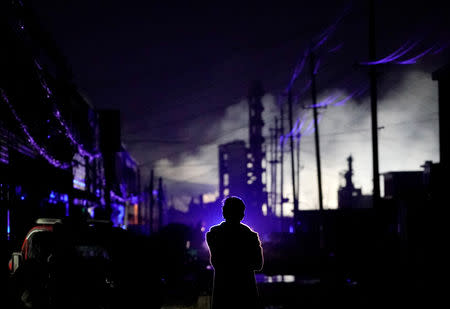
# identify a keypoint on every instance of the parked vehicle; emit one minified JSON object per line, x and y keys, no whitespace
{"x":33,"y":244}
{"x":65,"y":264}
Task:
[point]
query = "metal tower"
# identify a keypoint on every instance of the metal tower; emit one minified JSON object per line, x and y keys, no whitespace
{"x":256,"y":150}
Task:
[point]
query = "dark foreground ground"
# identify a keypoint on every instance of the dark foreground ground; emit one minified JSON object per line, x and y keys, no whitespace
{"x":383,"y":288}
{"x":312,"y":293}
{"x":170,"y":272}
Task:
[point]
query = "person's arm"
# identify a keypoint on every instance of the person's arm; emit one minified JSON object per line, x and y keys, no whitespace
{"x":211,"y":242}
{"x":257,"y":259}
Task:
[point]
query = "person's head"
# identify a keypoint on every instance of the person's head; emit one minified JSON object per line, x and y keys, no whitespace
{"x":233,"y":209}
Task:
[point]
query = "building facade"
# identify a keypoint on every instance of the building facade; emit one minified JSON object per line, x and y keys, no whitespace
{"x":51,"y":159}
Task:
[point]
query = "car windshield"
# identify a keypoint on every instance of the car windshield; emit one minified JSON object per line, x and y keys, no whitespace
{"x":41,"y":245}
{"x":82,"y":243}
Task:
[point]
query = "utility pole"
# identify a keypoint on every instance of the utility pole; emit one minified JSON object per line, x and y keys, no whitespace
{"x":273,"y":168}
{"x":316,"y":129}
{"x":275,"y":157}
{"x":160,"y":203}
{"x":291,"y":141}
{"x":373,"y":104}
{"x":108,"y":167}
{"x":299,"y":135}
{"x":317,"y":142}
{"x":257,"y":149}
{"x":151,"y":187}
{"x":264,"y":181}
{"x":282,"y":167}
{"x":141,"y":216}
{"x":270,"y":195}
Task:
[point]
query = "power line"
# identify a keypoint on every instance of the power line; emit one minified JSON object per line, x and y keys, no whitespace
{"x":196,"y":176}
{"x":186,"y":165}
{"x":159,"y":141}
{"x":174,"y":153}
{"x":356,"y":131}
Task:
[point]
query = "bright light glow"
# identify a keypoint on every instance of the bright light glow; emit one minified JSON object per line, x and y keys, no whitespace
{"x":297,"y":71}
{"x":210,"y":197}
{"x":402,"y":51}
{"x":322,"y":41}
{"x":297,"y":130}
{"x":316,"y":67}
{"x":8,"y":223}
{"x":263,"y":278}
{"x":134,"y":199}
{"x":116,"y":197}
{"x":331,"y":29}
{"x":336,"y":48}
{"x":91,"y":211}
{"x":333,"y":99}
{"x":395,"y":55}
{"x":440,"y":49}
{"x":136,"y":213}
{"x":57,"y":115}
{"x":354,"y":94}
{"x":31,"y":140}
{"x":414,"y":59}
{"x":118,"y":220}
{"x":326,"y":102}
{"x":77,"y":184}
{"x":288,"y":278}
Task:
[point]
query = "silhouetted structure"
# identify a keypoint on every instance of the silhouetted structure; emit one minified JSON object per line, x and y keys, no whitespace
{"x":349,"y":196}
{"x":273,"y":161}
{"x":405,"y":192}
{"x":160,"y":201}
{"x":443,"y":77}
{"x":257,"y":189}
{"x":235,"y":254}
{"x":233,"y":169}
{"x":241,"y":169}
{"x":126,"y":203}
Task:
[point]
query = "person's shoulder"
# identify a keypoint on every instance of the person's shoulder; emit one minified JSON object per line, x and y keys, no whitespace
{"x":248,"y":229}
{"x":215,"y":228}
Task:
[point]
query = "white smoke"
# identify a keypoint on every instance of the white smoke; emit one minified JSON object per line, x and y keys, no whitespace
{"x":408,"y":136}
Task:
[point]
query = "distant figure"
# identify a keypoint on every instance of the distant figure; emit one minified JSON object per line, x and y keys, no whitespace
{"x":236,"y":253}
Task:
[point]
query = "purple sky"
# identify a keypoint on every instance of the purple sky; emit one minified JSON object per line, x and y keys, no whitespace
{"x":179,"y":74}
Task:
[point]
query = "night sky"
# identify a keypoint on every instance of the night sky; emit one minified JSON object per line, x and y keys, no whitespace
{"x":180,"y":73}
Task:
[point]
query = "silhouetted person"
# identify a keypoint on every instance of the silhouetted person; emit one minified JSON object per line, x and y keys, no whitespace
{"x":235,"y":255}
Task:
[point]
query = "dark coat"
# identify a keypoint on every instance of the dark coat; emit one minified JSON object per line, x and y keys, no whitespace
{"x":235,"y":255}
